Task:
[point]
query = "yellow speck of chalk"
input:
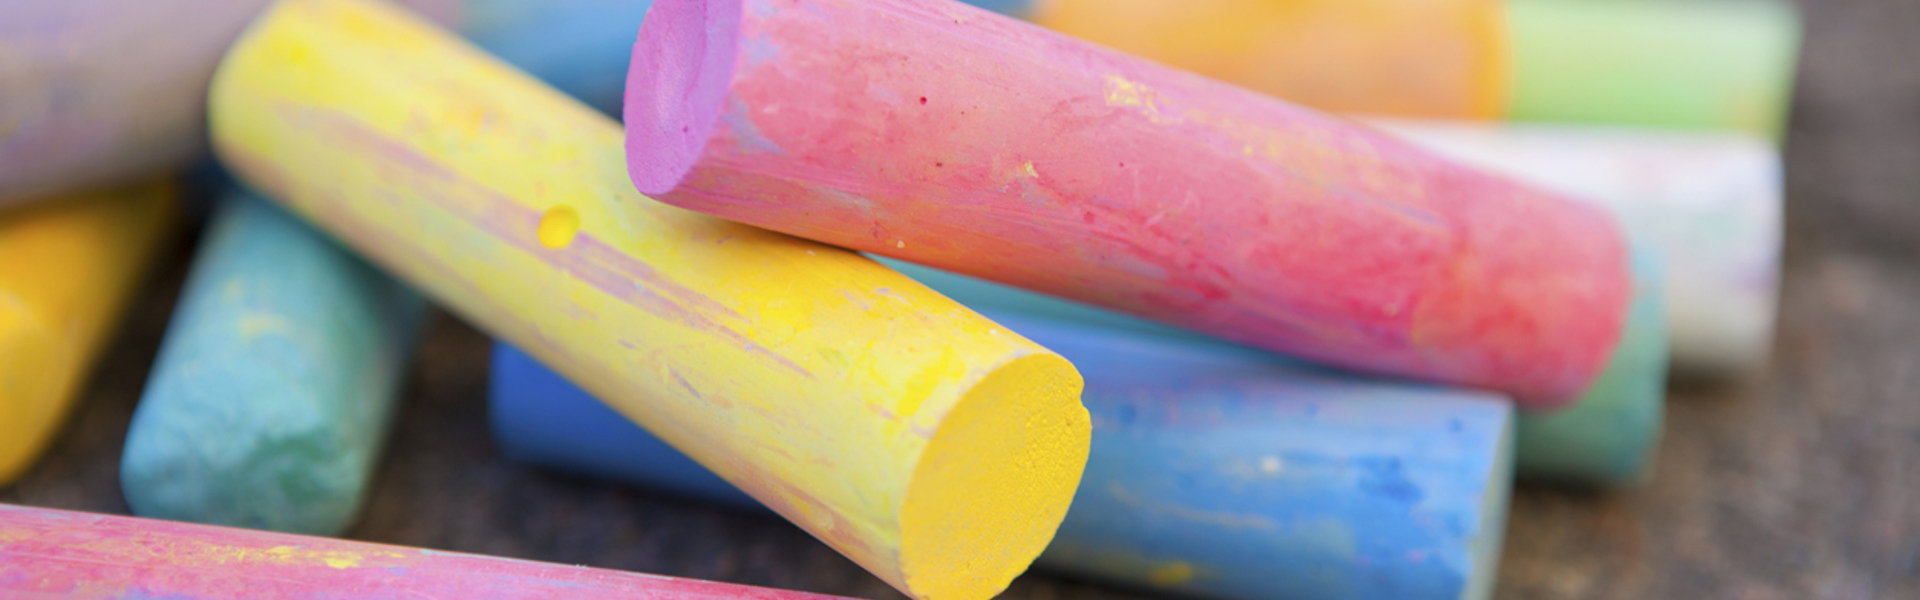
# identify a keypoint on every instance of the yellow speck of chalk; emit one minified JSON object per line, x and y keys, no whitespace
{"x":341,"y":563}
{"x":1173,"y":573}
{"x":1031,"y":172}
{"x":558,"y":226}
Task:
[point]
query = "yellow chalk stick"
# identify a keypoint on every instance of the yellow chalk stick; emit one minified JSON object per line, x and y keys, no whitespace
{"x":928,"y":444}
{"x":68,"y":268}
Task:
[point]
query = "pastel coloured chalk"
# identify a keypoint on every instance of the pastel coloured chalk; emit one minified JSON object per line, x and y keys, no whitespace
{"x":1685,"y":64}
{"x":1608,"y":438}
{"x":1434,"y":58}
{"x":101,"y":91}
{"x":68,"y":269}
{"x":948,"y":136}
{"x":866,"y":408}
{"x":578,"y":46}
{"x":1215,"y":471}
{"x":271,"y":396}
{"x":1709,"y":202}
{"x":46,"y":553}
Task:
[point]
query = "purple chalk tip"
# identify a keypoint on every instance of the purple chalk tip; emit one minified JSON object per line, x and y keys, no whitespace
{"x":682,"y":68}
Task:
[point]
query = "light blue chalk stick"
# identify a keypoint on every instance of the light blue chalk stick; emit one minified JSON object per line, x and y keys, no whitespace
{"x":582,"y":47}
{"x":1607,"y":438}
{"x":272,"y":393}
{"x":1214,"y":471}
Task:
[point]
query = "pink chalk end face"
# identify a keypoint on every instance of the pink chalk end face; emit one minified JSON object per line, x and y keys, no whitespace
{"x":677,"y":85}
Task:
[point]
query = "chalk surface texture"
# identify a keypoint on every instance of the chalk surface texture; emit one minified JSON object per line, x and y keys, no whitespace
{"x":47,"y":553}
{"x":1215,"y":471}
{"x":950,"y":136}
{"x":931,"y":446}
{"x":269,"y":402}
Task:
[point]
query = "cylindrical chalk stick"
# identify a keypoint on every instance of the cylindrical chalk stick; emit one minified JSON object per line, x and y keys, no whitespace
{"x":540,"y":418}
{"x":1689,"y":65}
{"x":1215,"y":471}
{"x":1710,"y":203}
{"x":96,"y":91}
{"x":1444,"y":58}
{"x":270,"y":399}
{"x":949,"y":136}
{"x":581,"y":47}
{"x":47,"y":553}
{"x":68,"y":269}
{"x":1605,"y":439}
{"x":931,"y":446}
{"x":1686,"y":64}
{"x":1609,"y":437}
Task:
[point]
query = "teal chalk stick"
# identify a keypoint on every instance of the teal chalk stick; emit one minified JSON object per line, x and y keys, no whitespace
{"x":272,"y":393}
{"x":1610,"y":435}
{"x":1606,"y":439}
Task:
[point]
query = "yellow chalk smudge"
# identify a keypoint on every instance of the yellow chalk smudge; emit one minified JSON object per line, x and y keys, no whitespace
{"x":1170,"y":574}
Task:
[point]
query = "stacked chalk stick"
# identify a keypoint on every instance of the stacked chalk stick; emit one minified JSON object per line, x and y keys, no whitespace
{"x":954,"y":292}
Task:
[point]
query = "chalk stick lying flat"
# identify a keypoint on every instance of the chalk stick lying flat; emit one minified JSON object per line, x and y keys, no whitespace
{"x":1684,"y":64}
{"x":99,"y":91}
{"x":866,"y":408}
{"x":961,"y":139}
{"x":1608,"y":438}
{"x":1215,"y":470}
{"x":47,"y":553}
{"x":68,"y":269}
{"x":1688,"y":64}
{"x":1709,"y":202}
{"x":270,"y":399}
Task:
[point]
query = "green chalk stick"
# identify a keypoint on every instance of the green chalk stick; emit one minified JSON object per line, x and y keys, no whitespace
{"x":1686,"y":64}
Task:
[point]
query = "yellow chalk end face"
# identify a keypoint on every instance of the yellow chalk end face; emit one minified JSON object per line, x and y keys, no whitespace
{"x":994,"y":482}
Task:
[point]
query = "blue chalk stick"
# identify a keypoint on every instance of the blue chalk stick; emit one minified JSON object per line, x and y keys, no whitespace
{"x":1607,"y":438}
{"x":271,"y":396}
{"x":1214,"y":470}
{"x":582,"y":47}
{"x":540,"y":418}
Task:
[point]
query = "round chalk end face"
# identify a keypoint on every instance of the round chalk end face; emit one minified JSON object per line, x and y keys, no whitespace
{"x":677,"y":85}
{"x":995,"y":480}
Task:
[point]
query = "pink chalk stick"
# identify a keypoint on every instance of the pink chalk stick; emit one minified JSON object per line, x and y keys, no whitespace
{"x":54,"y":553}
{"x":941,"y":134}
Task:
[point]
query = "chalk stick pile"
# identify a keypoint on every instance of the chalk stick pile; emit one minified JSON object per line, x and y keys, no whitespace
{"x":1237,"y":299}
